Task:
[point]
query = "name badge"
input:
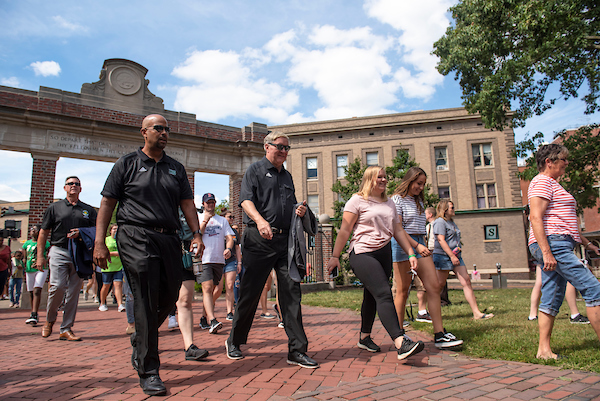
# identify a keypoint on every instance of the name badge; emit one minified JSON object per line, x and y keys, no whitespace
{"x":172,"y":172}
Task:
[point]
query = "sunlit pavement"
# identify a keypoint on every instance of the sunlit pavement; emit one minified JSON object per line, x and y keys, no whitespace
{"x":99,"y":367}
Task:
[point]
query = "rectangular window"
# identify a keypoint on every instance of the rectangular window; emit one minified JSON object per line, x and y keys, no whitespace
{"x":372,"y":159}
{"x":491,"y":232}
{"x":311,"y":167}
{"x":486,"y":196}
{"x":341,"y":163}
{"x":444,"y":192}
{"x":313,"y":203}
{"x":482,"y":154}
{"x":441,"y":158}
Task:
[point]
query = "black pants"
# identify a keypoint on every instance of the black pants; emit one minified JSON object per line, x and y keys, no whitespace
{"x":152,"y":263}
{"x":260,"y":256}
{"x":374,"y":269}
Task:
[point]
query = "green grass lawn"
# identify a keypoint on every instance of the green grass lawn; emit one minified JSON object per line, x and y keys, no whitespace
{"x":508,"y":336}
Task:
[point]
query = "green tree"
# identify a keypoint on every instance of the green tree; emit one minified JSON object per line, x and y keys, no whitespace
{"x":222,"y":206}
{"x":506,"y":54}
{"x":583,"y":170}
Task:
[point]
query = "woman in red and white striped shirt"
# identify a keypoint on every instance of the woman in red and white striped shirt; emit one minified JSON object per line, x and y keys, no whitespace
{"x":553,"y":236}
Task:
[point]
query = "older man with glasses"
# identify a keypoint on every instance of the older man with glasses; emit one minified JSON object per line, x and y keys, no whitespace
{"x":61,"y":222}
{"x":268,"y":199}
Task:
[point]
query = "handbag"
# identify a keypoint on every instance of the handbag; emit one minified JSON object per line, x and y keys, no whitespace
{"x":186,"y":258}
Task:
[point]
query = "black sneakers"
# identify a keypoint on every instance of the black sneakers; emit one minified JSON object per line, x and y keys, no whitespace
{"x":302,"y":360}
{"x":233,"y":351}
{"x":194,"y":353}
{"x":579,"y":319}
{"x":368,"y":344}
{"x":423,"y":318}
{"x":204,"y":323}
{"x":33,"y":319}
{"x":229,"y":316}
{"x":215,"y":325}
{"x":446,"y":340}
{"x":409,"y":347}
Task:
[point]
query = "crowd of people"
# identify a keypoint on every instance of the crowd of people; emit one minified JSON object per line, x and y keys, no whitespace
{"x":161,"y":245}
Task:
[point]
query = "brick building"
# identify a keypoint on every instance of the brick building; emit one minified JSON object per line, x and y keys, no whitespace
{"x":464,"y":161}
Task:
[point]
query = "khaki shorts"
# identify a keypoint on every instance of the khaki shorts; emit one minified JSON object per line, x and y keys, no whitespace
{"x":418,"y":284}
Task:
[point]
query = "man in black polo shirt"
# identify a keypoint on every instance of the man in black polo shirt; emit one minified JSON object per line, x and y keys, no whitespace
{"x":150,"y":187}
{"x":267,"y":197}
{"x":63,"y":218}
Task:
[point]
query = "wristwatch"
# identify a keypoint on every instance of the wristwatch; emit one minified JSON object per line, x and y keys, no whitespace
{"x":197,"y":232}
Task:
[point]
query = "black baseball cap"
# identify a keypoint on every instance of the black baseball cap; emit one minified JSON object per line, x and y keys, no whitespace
{"x":207,"y":197}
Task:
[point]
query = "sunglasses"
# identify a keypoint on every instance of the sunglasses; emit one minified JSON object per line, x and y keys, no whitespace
{"x":160,"y":128}
{"x":281,"y":147}
{"x":77,"y":184}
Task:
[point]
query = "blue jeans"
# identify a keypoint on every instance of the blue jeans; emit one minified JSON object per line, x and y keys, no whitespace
{"x":569,"y":268}
{"x":398,"y":254}
{"x":128,"y":301}
{"x":443,"y":262}
{"x":236,"y":284}
{"x":14,"y":289}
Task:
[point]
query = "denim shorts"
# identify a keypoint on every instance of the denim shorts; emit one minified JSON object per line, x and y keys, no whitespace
{"x":109,"y":277}
{"x":443,"y":262}
{"x":569,"y":268}
{"x":398,"y":254}
{"x":230,"y":267}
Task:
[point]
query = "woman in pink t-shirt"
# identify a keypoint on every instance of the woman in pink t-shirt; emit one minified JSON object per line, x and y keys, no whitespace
{"x":553,"y":237}
{"x":373,"y":220}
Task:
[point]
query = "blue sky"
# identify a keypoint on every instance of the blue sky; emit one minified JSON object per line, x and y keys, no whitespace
{"x":237,"y":62}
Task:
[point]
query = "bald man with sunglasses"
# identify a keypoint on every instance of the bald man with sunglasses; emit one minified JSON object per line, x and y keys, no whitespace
{"x":150,"y":187}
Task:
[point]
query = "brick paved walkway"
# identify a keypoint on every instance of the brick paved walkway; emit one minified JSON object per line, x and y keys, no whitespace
{"x":99,"y":366}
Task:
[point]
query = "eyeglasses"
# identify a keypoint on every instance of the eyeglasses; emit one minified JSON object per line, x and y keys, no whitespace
{"x":229,"y":217}
{"x":160,"y":128}
{"x":280,"y":147}
{"x":564,"y":160}
{"x":77,"y":184}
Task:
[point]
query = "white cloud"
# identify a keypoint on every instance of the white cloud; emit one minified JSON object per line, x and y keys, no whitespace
{"x":10,"y":81}
{"x":10,"y":194}
{"x":46,"y":68}
{"x":347,"y":68}
{"x":421,"y":23}
{"x":340,"y":73}
{"x":224,"y":86}
{"x":69,"y":26}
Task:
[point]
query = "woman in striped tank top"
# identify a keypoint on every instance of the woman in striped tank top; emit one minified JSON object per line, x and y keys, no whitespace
{"x":408,"y":199}
{"x":554,"y":234}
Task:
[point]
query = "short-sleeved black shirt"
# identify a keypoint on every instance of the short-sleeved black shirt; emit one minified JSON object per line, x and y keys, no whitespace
{"x":149,"y":192}
{"x":271,"y":191}
{"x":61,"y":217}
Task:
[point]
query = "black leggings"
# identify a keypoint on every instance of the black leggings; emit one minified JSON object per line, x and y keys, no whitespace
{"x":374,"y":269}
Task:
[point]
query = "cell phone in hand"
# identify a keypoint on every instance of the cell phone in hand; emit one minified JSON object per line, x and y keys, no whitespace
{"x":334,"y":273}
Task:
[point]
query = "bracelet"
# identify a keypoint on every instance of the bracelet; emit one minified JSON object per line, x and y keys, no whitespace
{"x":412,"y":256}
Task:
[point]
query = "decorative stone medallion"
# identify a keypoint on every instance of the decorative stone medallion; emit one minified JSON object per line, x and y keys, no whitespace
{"x":125,"y":80}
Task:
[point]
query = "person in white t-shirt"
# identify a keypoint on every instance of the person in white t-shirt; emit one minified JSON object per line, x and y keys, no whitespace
{"x":218,"y":238}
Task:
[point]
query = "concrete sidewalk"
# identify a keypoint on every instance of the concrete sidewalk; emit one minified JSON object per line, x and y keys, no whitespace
{"x":99,"y":366}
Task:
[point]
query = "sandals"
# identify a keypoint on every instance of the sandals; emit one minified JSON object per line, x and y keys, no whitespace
{"x":485,"y":316}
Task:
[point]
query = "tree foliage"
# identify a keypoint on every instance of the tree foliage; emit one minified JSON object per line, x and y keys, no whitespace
{"x":506,"y":53}
{"x":583,"y":170}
